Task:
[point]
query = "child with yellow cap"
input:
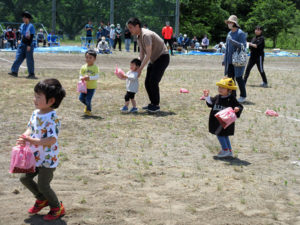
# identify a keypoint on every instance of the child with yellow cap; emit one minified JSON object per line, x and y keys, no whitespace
{"x":222,"y":101}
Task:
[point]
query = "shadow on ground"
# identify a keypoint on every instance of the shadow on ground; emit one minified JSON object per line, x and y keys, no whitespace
{"x":248,"y":103}
{"x":157,"y":114}
{"x":85,"y":117}
{"x":38,"y":220}
{"x":257,"y":86}
{"x":233,"y":161}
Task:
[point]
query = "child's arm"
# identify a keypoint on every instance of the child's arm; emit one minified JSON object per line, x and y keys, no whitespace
{"x":207,"y":98}
{"x":35,"y":141}
{"x":95,"y":77}
{"x":131,"y":75}
{"x":237,"y":107}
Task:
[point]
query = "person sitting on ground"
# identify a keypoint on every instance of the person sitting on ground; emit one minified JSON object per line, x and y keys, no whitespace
{"x":221,"y":48}
{"x":194,"y":41}
{"x":180,"y":40}
{"x":40,"y":37}
{"x":10,"y":36}
{"x":186,"y":41}
{"x":205,"y":42}
{"x":52,"y":39}
{"x":103,"y":46}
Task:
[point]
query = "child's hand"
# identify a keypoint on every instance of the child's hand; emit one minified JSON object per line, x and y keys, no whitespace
{"x":22,"y":140}
{"x":236,"y":109}
{"x":85,"y":78}
{"x":206,"y":93}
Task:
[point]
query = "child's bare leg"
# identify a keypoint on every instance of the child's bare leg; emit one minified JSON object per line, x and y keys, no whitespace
{"x":133,"y":103}
{"x":127,"y":103}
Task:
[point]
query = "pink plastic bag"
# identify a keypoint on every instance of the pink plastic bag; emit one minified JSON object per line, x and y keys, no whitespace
{"x":226,"y":117}
{"x":22,"y":160}
{"x":183,"y":90}
{"x":81,"y":87}
{"x":270,"y":112}
{"x":120,"y":73}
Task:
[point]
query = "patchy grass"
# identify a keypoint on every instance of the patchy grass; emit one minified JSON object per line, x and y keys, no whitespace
{"x":159,"y":169}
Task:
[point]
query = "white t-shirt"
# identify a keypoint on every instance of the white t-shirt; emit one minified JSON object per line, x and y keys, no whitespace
{"x":132,"y":82}
{"x":45,"y":126}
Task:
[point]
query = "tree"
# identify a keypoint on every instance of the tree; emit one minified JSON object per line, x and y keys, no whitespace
{"x":203,"y":17}
{"x":274,"y":15}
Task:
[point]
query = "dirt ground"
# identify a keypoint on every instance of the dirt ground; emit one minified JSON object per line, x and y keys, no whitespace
{"x":159,"y":169}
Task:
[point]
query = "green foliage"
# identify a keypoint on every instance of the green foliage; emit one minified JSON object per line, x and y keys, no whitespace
{"x":203,"y":17}
{"x":274,"y":15}
{"x":280,"y":18}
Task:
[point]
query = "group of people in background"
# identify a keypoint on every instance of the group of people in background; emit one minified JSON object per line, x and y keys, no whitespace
{"x":110,"y":37}
{"x":12,"y":36}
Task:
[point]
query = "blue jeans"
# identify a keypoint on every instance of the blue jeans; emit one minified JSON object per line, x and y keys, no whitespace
{"x":225,"y":142}
{"x":21,"y":54}
{"x":87,"y":98}
{"x":127,"y":44}
{"x":111,"y":43}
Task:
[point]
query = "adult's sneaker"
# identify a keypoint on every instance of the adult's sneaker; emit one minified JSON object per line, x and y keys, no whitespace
{"x":38,"y":206}
{"x":55,"y":213}
{"x":13,"y":74}
{"x":153,"y":108}
{"x":146,"y":107}
{"x":241,"y":99}
{"x":31,"y":76}
{"x":264,"y":85}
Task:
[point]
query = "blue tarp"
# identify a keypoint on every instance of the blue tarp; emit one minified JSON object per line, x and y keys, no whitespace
{"x":77,"y":49}
{"x":268,"y":54}
{"x":58,"y":49}
{"x":198,"y":53}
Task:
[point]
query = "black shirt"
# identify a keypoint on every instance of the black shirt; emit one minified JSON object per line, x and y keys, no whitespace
{"x":219,"y":103}
{"x":127,"y":34}
{"x":260,"y":42}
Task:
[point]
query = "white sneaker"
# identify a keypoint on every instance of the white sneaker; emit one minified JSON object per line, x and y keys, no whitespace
{"x":264,"y":85}
{"x":241,"y":99}
{"x":224,"y":154}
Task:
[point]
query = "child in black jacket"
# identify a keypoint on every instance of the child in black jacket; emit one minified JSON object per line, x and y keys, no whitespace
{"x":222,"y":101}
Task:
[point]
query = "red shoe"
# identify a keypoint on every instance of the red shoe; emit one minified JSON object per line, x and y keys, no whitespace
{"x":38,"y":206}
{"x":55,"y":213}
